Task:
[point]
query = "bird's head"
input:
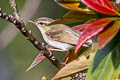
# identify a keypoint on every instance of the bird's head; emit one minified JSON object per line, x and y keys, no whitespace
{"x":42,"y":22}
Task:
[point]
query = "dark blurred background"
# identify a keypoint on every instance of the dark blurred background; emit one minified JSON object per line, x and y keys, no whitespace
{"x":16,"y":53}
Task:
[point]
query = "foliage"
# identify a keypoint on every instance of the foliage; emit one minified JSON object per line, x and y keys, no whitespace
{"x":106,"y":62}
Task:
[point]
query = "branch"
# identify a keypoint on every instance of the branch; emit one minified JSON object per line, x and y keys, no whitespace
{"x":21,"y":26}
{"x":9,"y":31}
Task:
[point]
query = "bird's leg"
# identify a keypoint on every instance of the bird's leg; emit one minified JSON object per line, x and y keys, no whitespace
{"x":51,"y":49}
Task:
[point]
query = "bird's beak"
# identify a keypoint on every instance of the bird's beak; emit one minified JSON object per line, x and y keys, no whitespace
{"x":31,"y":21}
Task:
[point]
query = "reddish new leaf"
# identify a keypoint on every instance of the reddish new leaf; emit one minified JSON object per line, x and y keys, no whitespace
{"x":40,"y":58}
{"x":102,"y":6}
{"x":92,"y":30}
{"x":106,"y":36}
{"x":83,"y":26}
{"x":37,"y":60}
{"x":80,"y":27}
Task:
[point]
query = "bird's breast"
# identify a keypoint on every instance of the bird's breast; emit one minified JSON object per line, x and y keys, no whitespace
{"x":56,"y":44}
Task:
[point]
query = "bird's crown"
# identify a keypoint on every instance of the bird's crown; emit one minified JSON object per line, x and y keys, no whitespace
{"x":42,"y":21}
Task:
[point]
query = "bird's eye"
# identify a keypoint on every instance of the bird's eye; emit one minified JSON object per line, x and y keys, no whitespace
{"x":41,"y":23}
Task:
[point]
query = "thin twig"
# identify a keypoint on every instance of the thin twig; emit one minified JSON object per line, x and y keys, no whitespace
{"x":15,"y":9}
{"x":21,"y":26}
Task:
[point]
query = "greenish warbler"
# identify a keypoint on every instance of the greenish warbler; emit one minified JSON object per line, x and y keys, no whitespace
{"x":59,"y":36}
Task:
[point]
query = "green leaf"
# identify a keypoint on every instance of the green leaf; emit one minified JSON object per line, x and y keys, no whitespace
{"x":106,"y":63}
{"x":74,"y":16}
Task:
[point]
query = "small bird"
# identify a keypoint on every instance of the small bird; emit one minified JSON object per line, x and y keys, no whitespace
{"x":59,"y":36}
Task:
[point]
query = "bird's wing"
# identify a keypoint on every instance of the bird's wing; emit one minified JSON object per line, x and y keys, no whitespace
{"x":63,"y":34}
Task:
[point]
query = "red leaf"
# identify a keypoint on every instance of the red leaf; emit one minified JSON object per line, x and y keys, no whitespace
{"x":92,"y":30}
{"x":102,"y":6}
{"x":107,"y":35}
{"x":37,"y":60}
{"x":80,"y":27}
